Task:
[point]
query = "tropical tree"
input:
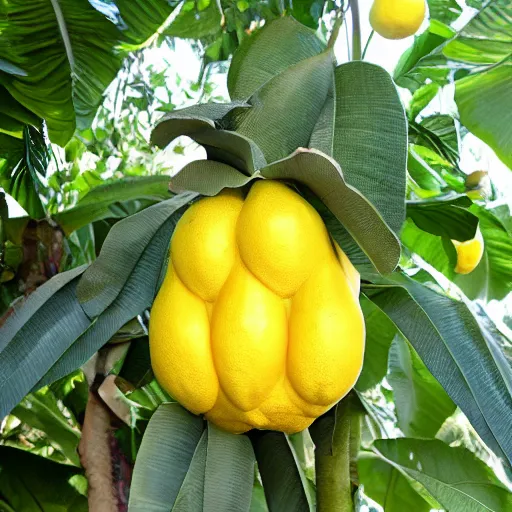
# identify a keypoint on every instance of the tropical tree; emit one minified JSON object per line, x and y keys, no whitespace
{"x":426,"y":425}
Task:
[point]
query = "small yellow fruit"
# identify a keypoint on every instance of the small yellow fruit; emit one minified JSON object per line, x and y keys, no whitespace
{"x":257,"y":323}
{"x":469,"y":254}
{"x":396,"y":19}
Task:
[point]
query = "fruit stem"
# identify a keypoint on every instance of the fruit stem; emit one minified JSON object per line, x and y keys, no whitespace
{"x":367,"y":44}
{"x":356,"y":30}
{"x":333,"y":485}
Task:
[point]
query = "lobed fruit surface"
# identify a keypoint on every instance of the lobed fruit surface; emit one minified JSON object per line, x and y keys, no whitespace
{"x":257,"y":323}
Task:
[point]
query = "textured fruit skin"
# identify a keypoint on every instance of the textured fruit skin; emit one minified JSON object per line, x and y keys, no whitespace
{"x":469,"y":254}
{"x":257,"y":323}
{"x":396,"y":19}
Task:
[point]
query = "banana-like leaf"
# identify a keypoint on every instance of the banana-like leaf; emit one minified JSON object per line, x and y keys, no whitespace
{"x":137,"y":294}
{"x":279,"y":45}
{"x":195,"y":470}
{"x":385,"y":484}
{"x":323,"y":176}
{"x":370,"y":137}
{"x":449,"y":340}
{"x":453,"y":476}
{"x":421,"y":403}
{"x":35,"y":335}
{"x":274,"y":122}
{"x":98,"y":203}
{"x":122,"y":250}
{"x":284,"y":482}
{"x":190,"y":120}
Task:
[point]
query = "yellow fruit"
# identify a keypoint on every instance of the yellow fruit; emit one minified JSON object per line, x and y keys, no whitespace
{"x":469,"y":254}
{"x":257,"y":323}
{"x":396,"y":19}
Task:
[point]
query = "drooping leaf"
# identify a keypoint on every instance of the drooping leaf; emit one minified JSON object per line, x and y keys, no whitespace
{"x":281,"y":474}
{"x":137,"y":294}
{"x":450,"y":342}
{"x":454,"y":476}
{"x":387,"y":486}
{"x":445,"y":11}
{"x":370,"y":137}
{"x":421,"y":98}
{"x":161,"y":467}
{"x":380,"y":332}
{"x":422,"y":405}
{"x":279,"y":45}
{"x":449,"y":218}
{"x":273,"y":122}
{"x":125,"y":244}
{"x":35,"y":336}
{"x":34,"y":484}
{"x":323,"y":176}
{"x":97,"y":204}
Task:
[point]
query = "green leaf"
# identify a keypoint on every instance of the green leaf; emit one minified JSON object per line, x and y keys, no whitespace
{"x":40,"y":410}
{"x":137,"y":294}
{"x":102,"y":282}
{"x":34,"y":484}
{"x":283,"y":480}
{"x":450,"y":342}
{"x":387,"y":486}
{"x":258,"y":502}
{"x":19,"y":176}
{"x":98,"y":203}
{"x":454,"y":476}
{"x":208,"y":178}
{"x":323,"y":176}
{"x":435,"y":250}
{"x":274,"y":122}
{"x":484,"y":101}
{"x":188,"y":121}
{"x":267,"y":53}
{"x":370,"y":137}
{"x":193,"y":23}
{"x":446,"y":11}
{"x":380,"y":332}
{"x":164,"y":458}
{"x":449,"y":218}
{"x":33,"y":339}
{"x":421,"y":403}
{"x":492,"y":278}
{"x":421,"y":98}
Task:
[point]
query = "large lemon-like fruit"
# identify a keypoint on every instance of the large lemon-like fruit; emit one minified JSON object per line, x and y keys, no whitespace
{"x":396,"y":19}
{"x":257,"y":323}
{"x":469,"y":254}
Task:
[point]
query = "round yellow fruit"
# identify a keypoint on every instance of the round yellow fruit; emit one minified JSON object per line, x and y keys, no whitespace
{"x":396,"y":19}
{"x":257,"y":323}
{"x":469,"y":254}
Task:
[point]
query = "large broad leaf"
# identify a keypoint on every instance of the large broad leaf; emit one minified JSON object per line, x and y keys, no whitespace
{"x":380,"y":332}
{"x":484,"y":101}
{"x":274,"y":122}
{"x":196,"y":20}
{"x":98,"y":203}
{"x":283,"y":480}
{"x":370,"y":137}
{"x":448,"y":218}
{"x":41,"y":410}
{"x":36,"y":334}
{"x":387,"y":486}
{"x":125,"y":245}
{"x":34,"y":484}
{"x":323,"y":176}
{"x":454,"y":476}
{"x":137,"y":294}
{"x":25,"y":161}
{"x":450,"y":342}
{"x":422,"y":405}
{"x":195,"y":470}
{"x":492,"y":278}
{"x":281,"y":44}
